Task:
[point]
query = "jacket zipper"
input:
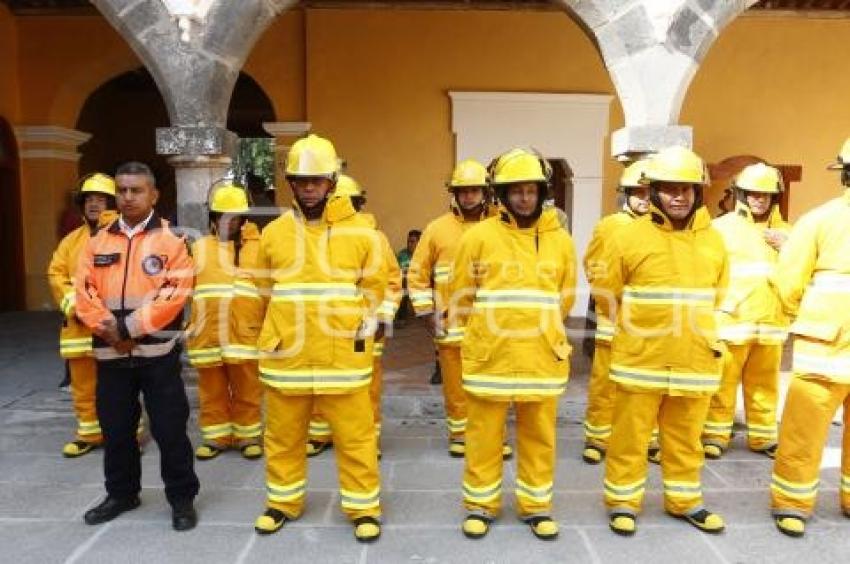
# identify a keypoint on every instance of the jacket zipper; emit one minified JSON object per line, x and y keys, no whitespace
{"x":124,"y":285}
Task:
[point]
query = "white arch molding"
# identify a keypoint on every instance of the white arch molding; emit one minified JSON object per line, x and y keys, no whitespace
{"x":572,"y":127}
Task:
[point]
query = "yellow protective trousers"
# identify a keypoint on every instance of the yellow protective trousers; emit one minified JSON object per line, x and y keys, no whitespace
{"x":535,"y":444}
{"x":680,"y":421}
{"x":320,"y":429}
{"x":454,"y":396}
{"x":809,"y":408}
{"x":600,"y":398}
{"x":349,"y":416}
{"x":756,"y":367}
{"x":601,"y":392}
{"x":230,"y":398}
{"x":83,"y":372}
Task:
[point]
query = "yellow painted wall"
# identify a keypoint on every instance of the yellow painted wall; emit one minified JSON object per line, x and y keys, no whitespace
{"x":9,"y":100}
{"x":378,"y":83}
{"x":777,"y":88}
{"x":277,"y":64}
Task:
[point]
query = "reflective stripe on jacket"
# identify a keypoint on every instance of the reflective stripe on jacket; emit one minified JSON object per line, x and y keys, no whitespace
{"x":511,"y":291}
{"x":75,"y":339}
{"x":595,"y":266}
{"x":668,"y":283}
{"x":325,"y":281}
{"x":751,"y":311}
{"x":813,"y":278}
{"x":226,"y":310}
{"x":430,"y":272}
{"x":142,"y":282}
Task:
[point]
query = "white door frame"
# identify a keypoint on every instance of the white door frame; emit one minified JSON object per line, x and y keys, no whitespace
{"x":572,"y":127}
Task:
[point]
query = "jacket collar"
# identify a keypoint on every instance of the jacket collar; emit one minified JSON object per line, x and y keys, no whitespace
{"x":548,"y":220}
{"x":155,"y":222}
{"x":336,"y":209}
{"x":774,"y":218}
{"x":629,"y":211}
{"x":700,"y":219}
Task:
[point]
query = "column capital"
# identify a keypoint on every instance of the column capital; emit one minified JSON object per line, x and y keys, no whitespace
{"x":287,"y":128}
{"x":195,"y":141}
{"x":50,"y":142}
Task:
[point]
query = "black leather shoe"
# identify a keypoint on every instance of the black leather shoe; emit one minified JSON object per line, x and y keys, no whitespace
{"x":183,"y":516}
{"x":109,"y":509}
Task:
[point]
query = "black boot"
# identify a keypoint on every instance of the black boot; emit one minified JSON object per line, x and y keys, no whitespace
{"x":183,"y":516}
{"x":437,"y":375}
{"x":109,"y":509}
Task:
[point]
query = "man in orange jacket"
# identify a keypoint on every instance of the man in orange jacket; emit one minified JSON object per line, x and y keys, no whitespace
{"x":95,"y":196}
{"x":132,"y":282}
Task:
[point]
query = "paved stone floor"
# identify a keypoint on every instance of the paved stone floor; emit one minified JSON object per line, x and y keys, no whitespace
{"x":43,"y":496}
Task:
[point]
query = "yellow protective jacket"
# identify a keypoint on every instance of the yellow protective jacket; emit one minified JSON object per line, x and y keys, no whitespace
{"x":511,"y":291}
{"x":393,"y":292}
{"x":430,"y":271}
{"x":226,"y":310}
{"x":751,"y":311}
{"x":324,"y":282}
{"x":595,"y":266}
{"x":668,"y":284}
{"x":75,"y":339}
{"x":813,"y":279}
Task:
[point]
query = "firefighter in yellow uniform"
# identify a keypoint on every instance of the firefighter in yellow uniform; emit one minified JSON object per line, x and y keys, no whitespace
{"x":750,"y":319}
{"x":813,"y":279}
{"x":513,"y":286}
{"x":668,"y":271}
{"x":600,"y":390}
{"x":325,"y":276}
{"x":225,"y":321}
{"x":428,"y":282}
{"x":95,"y":196}
{"x":320,"y":433}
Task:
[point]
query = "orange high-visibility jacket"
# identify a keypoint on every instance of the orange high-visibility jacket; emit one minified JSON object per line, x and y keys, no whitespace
{"x":142,"y":282}
{"x":226,"y":311}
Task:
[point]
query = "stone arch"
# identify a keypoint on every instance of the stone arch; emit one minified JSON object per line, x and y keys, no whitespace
{"x":123,"y":112}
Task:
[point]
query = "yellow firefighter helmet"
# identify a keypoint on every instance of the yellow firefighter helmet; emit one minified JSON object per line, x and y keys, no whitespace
{"x":347,"y":186}
{"x":676,"y":164}
{"x":760,"y":177}
{"x":520,"y":165}
{"x":229,"y":198}
{"x":468,"y":174}
{"x":631,"y":177}
{"x":312,"y":157}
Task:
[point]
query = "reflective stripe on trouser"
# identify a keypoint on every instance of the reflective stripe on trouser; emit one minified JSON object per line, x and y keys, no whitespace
{"x":320,"y":430}
{"x":810,"y":406}
{"x":287,"y":419}
{"x":454,"y":396}
{"x":83,"y":372}
{"x":535,"y":436}
{"x":756,"y":367}
{"x":680,"y":420}
{"x":600,"y":398}
{"x":230,"y":397}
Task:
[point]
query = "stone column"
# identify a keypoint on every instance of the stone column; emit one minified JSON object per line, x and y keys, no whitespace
{"x":200,"y":157}
{"x":285,"y":133}
{"x":195,"y":72}
{"x":652,"y":50}
{"x":49,"y":172}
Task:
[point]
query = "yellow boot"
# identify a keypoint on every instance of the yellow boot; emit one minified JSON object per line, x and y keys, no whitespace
{"x":476,"y":526}
{"x":269,"y":522}
{"x":367,"y":529}
{"x":791,"y":525}
{"x":624,"y":524}
{"x":75,"y":449}
{"x":543,"y":527}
